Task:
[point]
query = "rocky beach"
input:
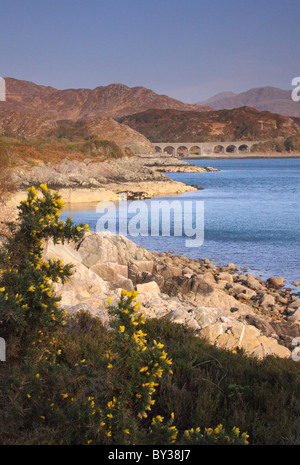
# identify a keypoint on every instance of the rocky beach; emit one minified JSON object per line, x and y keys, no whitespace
{"x":231,"y":309}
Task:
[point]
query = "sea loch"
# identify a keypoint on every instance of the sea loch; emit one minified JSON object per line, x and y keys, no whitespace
{"x":251,"y":215}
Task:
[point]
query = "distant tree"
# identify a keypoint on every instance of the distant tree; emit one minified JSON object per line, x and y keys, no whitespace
{"x":292,"y":143}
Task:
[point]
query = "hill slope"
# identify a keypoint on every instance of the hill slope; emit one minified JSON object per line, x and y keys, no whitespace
{"x":237,"y":124}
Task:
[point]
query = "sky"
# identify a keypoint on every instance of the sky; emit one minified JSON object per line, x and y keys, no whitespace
{"x":186,"y":49}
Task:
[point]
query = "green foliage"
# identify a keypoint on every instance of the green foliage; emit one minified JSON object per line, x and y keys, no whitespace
{"x":70,"y":130}
{"x":292,"y":143}
{"x":79,"y":139}
{"x":104,"y":147}
{"x":27,"y":300}
{"x":135,"y":367}
{"x":211,"y":386}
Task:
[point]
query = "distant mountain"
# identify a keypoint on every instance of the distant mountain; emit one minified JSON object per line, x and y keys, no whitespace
{"x":75,"y":104}
{"x":261,"y":98}
{"x":190,"y":126}
{"x":221,"y":96}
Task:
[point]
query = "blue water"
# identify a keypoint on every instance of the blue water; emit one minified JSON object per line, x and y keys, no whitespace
{"x":251,"y":216}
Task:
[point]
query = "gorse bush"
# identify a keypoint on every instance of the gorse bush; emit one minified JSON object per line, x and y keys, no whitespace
{"x":135,"y":367}
{"x":27,"y":300}
{"x":136,"y":364}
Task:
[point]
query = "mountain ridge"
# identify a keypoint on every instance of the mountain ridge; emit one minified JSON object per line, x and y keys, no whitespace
{"x":113,"y":100}
{"x":266,"y":98}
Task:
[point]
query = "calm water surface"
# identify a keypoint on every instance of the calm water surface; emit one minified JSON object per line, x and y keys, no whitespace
{"x":252,"y":215}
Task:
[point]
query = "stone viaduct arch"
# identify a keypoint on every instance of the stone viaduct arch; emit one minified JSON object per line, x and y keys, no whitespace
{"x":203,"y":148}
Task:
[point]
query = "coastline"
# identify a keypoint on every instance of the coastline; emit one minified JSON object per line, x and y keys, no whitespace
{"x":229,"y":307}
{"x":140,"y":177}
{"x":111,"y":192}
{"x":91,"y":182}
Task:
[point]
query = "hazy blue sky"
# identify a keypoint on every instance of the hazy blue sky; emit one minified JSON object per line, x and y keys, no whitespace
{"x":187,"y":49}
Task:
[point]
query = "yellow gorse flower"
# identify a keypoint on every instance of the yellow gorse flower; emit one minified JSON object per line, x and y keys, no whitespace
{"x":137,"y":306}
{"x":135,"y":323}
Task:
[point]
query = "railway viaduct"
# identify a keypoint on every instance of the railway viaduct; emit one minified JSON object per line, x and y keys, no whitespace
{"x":203,"y":148}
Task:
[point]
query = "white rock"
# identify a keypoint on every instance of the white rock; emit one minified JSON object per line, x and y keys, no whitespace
{"x":62,"y":251}
{"x":148,"y":288}
{"x":110,"y":271}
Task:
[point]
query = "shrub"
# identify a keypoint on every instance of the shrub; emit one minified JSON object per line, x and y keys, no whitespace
{"x":27,"y":300}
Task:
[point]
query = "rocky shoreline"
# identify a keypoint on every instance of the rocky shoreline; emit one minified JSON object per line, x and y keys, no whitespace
{"x":230,"y":309}
{"x":93,"y":181}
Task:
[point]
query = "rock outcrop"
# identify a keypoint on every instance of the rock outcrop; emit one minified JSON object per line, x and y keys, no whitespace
{"x":229,"y":309}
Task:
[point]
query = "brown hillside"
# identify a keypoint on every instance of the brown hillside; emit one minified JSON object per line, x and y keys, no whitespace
{"x":237,"y":124}
{"x":23,"y":126}
{"x":109,"y":101}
